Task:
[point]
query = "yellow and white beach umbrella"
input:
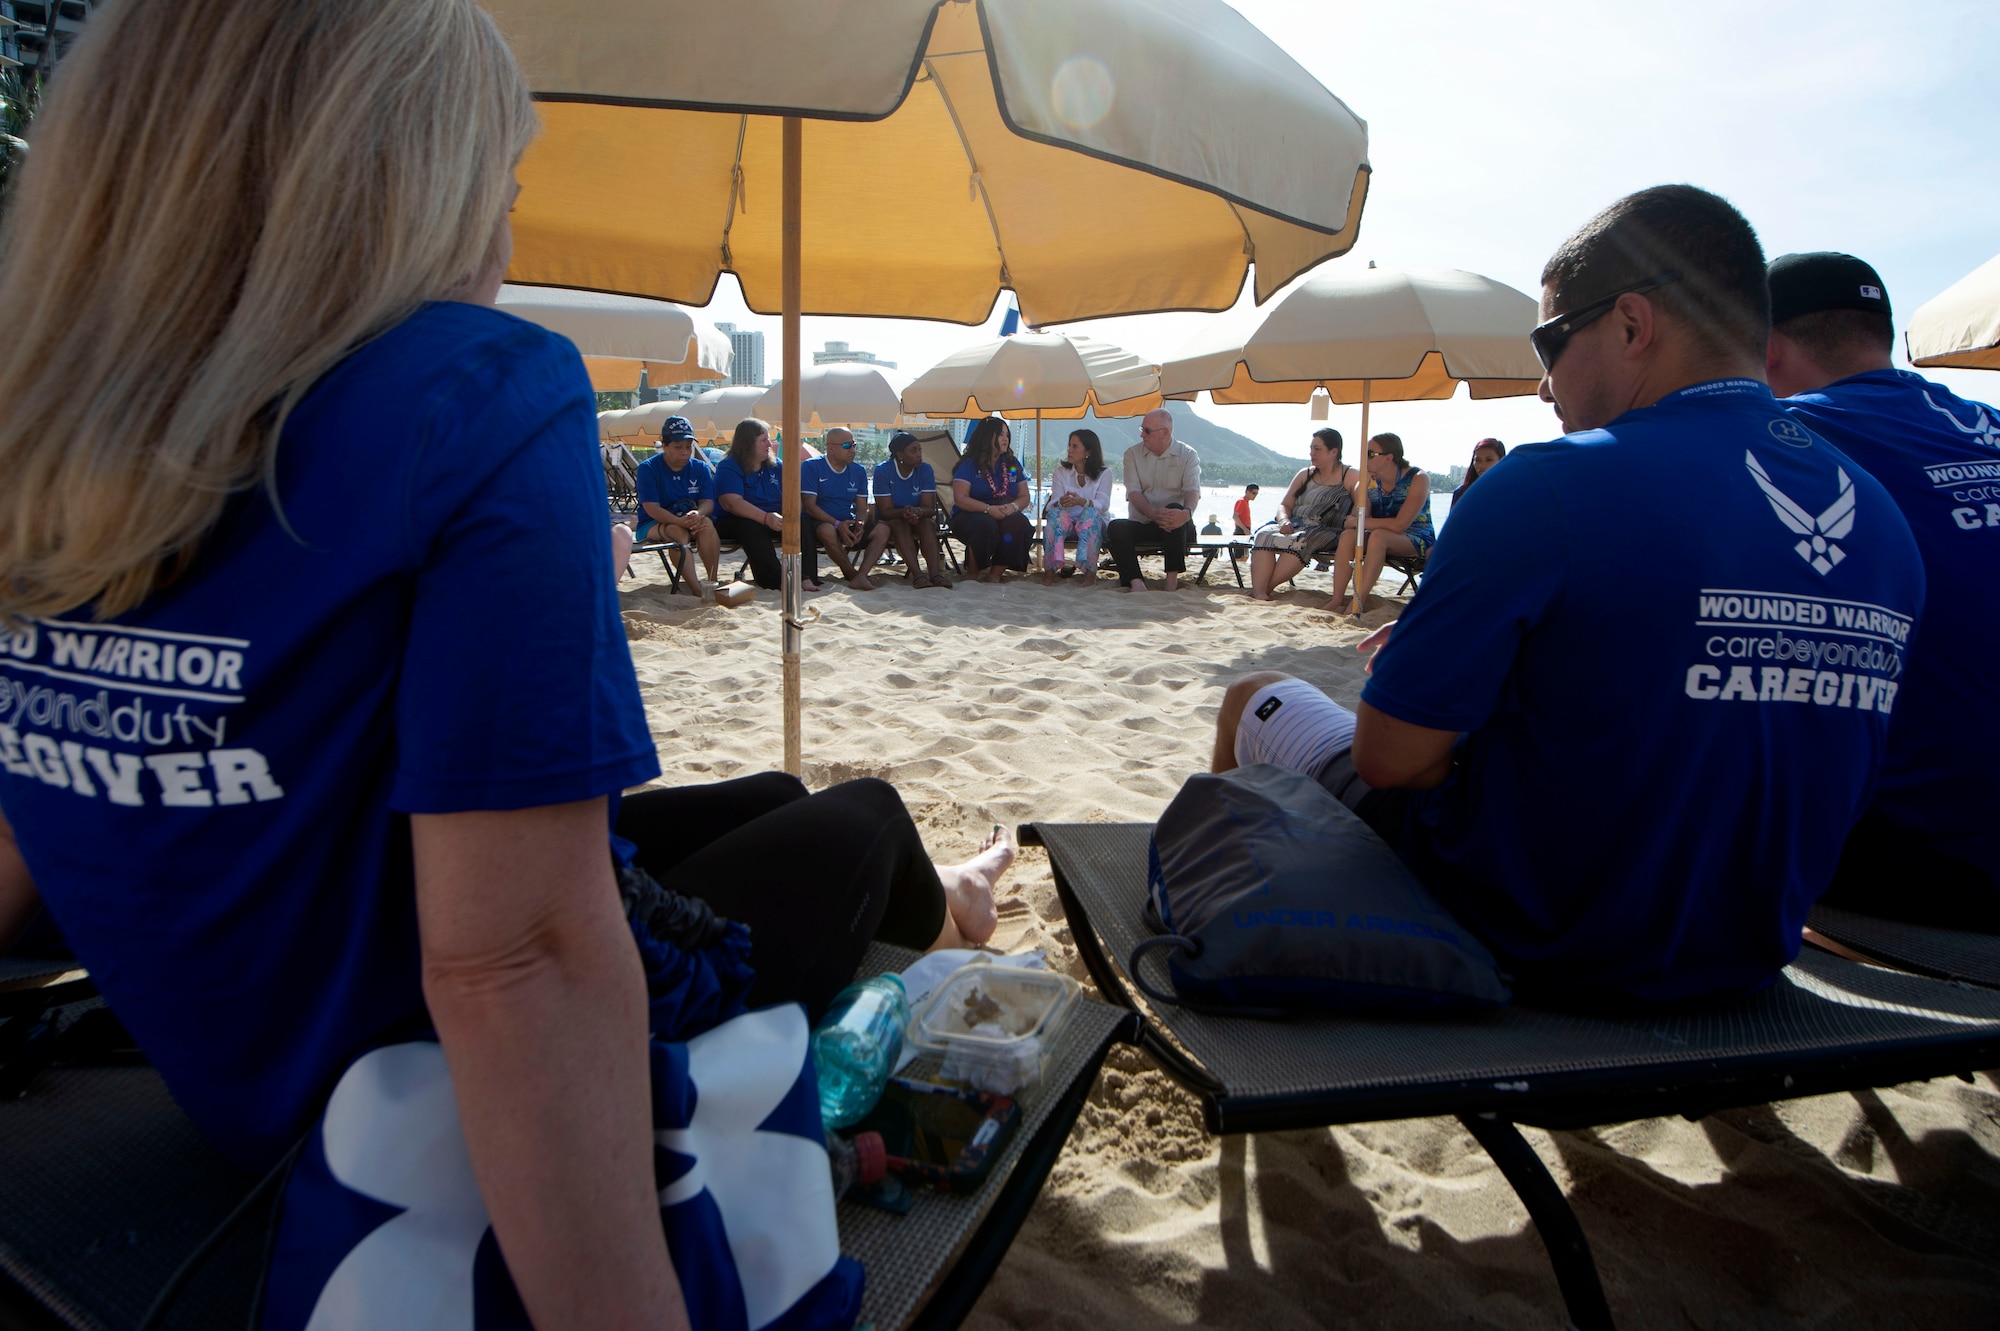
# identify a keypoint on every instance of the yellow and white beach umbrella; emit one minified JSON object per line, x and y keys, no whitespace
{"x":1097,"y":157}
{"x":621,"y":335}
{"x":1367,"y":335}
{"x":1063,"y":375}
{"x":1054,"y":374}
{"x":645,"y":422}
{"x":714,"y":413}
{"x":1960,"y":327}
{"x":843,"y":393}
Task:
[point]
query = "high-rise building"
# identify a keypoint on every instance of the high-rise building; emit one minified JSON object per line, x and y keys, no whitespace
{"x":24,"y":27}
{"x":838,"y":353}
{"x":746,"y":369}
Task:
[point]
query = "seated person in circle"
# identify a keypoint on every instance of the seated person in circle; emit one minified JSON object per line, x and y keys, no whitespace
{"x":1319,"y":499}
{"x":676,"y":496}
{"x":1399,"y":521}
{"x":749,"y":494}
{"x":906,"y":506}
{"x":1213,"y":527}
{"x":1705,"y":785}
{"x":1928,"y":848}
{"x":1079,"y":506}
{"x":1241,"y":512}
{"x":833,"y":491}
{"x":989,"y":503}
{"x":1486,"y":454}
{"x":1162,"y":479}
{"x":351,"y":839}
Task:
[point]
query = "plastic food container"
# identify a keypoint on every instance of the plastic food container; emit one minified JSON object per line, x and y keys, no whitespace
{"x":994,"y":1027}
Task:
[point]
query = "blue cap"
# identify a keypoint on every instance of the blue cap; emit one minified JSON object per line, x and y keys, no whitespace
{"x":675,"y":429}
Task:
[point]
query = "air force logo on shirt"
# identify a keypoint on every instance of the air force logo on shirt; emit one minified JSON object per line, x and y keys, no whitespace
{"x":1818,"y":532}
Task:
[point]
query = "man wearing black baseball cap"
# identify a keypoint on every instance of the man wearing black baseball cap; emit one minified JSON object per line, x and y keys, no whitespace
{"x":1928,"y":847}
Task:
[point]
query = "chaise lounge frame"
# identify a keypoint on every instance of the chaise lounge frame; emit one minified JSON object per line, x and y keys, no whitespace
{"x":111,"y":1203}
{"x":1827,"y":1025}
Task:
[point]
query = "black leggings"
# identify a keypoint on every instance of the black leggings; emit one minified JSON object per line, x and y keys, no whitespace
{"x":816,"y":877}
{"x":760,"y":545}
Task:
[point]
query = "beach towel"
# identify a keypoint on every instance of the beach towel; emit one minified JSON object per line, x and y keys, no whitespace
{"x":1269,"y":896}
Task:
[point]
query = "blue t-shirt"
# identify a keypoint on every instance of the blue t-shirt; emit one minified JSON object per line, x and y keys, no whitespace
{"x":765,"y":487}
{"x":1675,"y":697}
{"x":1939,"y":458}
{"x":981,"y":483}
{"x":904,"y":491}
{"x":212,"y":790}
{"x":834,"y":491}
{"x":678,"y":492}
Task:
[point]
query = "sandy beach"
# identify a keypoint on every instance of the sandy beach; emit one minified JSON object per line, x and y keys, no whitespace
{"x":1013,"y":703}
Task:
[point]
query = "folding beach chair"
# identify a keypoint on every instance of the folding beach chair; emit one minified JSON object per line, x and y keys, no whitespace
{"x":621,"y":477}
{"x":1947,"y":954}
{"x":670,"y":558}
{"x":1827,"y":1025}
{"x":943,"y":455}
{"x":116,"y":1215}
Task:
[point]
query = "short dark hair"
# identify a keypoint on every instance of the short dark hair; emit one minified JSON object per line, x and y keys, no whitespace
{"x":1836,"y":337}
{"x":1721,"y":294}
{"x":1251,"y":488}
{"x":1331,"y":438}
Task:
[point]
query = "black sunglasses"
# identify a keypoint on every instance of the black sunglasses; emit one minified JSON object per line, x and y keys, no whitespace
{"x":1550,"y":338}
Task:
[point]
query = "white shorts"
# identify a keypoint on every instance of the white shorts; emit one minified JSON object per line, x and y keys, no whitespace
{"x":1293,"y":724}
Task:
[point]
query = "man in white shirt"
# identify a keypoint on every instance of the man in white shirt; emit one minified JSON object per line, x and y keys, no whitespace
{"x":1162,"y":484}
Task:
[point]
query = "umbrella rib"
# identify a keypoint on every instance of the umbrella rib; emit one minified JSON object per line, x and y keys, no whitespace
{"x":978,"y":181}
{"x":736,"y":192}
{"x":1249,"y":245}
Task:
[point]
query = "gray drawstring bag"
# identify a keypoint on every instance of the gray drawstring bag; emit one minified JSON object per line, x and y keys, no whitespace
{"x":1269,"y":896}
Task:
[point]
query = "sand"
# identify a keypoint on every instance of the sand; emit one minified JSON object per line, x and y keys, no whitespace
{"x":1007,"y":704}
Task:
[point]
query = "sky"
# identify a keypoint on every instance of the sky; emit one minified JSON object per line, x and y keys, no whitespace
{"x":1495,"y":129}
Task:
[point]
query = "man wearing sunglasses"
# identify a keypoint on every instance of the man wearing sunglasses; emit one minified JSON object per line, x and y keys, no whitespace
{"x":1928,"y":849}
{"x":1624,"y":727}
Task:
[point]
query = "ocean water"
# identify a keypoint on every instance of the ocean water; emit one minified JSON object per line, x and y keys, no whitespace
{"x":1220,"y":499}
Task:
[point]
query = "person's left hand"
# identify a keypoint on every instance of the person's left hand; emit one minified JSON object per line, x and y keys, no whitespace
{"x":1373,"y":643}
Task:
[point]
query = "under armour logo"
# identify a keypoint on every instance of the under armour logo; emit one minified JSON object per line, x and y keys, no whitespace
{"x":1819,"y":533}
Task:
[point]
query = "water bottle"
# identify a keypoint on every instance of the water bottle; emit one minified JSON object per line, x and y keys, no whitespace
{"x":856,"y":1045}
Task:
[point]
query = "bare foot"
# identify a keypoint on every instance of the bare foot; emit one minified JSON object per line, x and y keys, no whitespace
{"x":1089,"y":577}
{"x":1173,"y":582}
{"x":1048,"y":577}
{"x":860,"y":584}
{"x":968,"y":887}
{"x":1136,"y":585}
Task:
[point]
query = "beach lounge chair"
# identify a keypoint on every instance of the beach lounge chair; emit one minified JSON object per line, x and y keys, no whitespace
{"x":1947,"y":954}
{"x":621,"y":477}
{"x":1828,"y":1025}
{"x":111,"y":1203}
{"x":943,"y":455}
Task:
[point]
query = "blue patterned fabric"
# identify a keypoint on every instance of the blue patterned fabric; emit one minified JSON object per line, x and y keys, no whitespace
{"x":1421,"y":533}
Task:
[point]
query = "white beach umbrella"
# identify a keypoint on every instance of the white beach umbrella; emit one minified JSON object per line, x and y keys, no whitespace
{"x":1063,"y":375}
{"x":843,"y":393}
{"x":646,"y":421}
{"x":1367,"y":335}
{"x":1959,"y":327}
{"x":621,"y":335}
{"x":992,"y":140}
{"x":714,"y":413}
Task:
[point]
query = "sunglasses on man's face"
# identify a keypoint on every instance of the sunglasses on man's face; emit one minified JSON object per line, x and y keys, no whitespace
{"x":1550,"y":338}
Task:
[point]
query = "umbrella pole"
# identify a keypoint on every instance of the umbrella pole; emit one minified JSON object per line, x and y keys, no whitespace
{"x":1035,"y":491}
{"x":792,"y":603}
{"x":1361,"y":509}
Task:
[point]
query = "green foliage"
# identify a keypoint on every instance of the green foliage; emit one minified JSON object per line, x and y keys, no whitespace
{"x":615,"y":401}
{"x":20,"y":99}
